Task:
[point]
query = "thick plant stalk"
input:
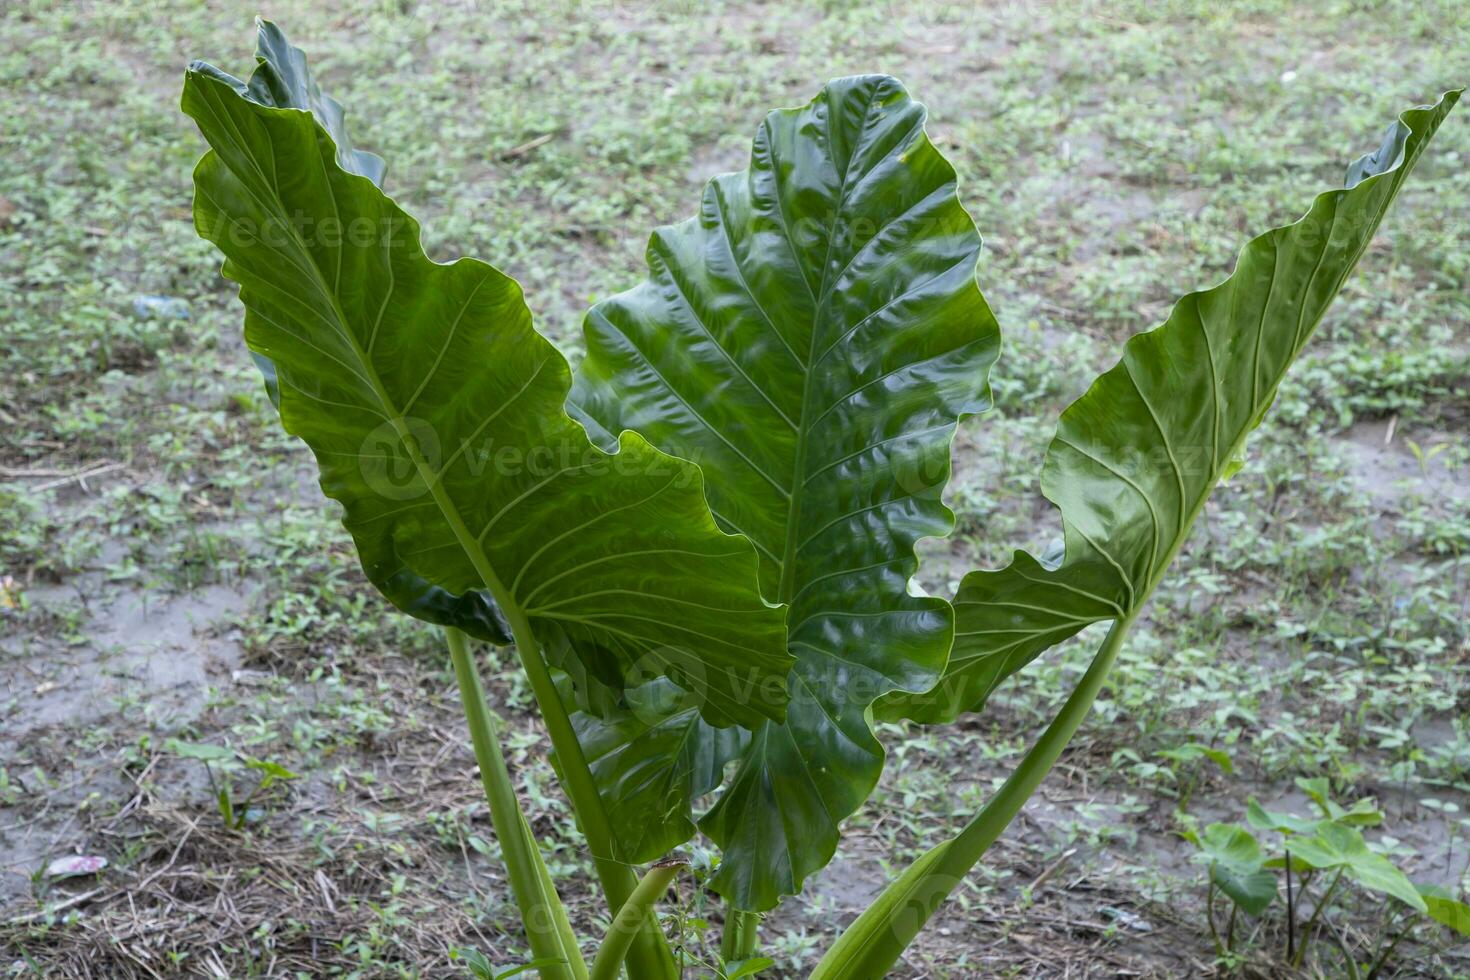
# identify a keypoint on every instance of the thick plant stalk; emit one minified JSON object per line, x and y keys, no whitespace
{"x":738,"y":942}
{"x":873,"y":943}
{"x":650,"y":955}
{"x":630,"y":919}
{"x":542,"y":915}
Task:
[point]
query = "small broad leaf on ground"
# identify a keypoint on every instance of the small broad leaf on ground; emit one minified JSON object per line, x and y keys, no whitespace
{"x":1335,"y":845}
{"x":271,"y":770}
{"x":1363,"y":813}
{"x":1194,"y":751}
{"x":1237,"y":866}
{"x":1262,"y":819}
{"x":202,"y":751}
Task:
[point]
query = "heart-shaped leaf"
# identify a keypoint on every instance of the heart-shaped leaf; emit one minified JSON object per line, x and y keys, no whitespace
{"x":1237,"y":866}
{"x":1262,"y":819}
{"x":435,"y":412}
{"x":811,"y":338}
{"x":1335,"y":845}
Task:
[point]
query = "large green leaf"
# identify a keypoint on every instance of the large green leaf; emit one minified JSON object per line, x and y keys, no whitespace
{"x":1135,"y":459}
{"x":435,"y":412}
{"x":1189,"y":390}
{"x":811,"y":338}
{"x":282,"y":79}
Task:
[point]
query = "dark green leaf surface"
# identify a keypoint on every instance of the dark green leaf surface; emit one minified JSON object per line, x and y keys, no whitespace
{"x":652,"y":758}
{"x":1136,"y":457}
{"x":811,"y":339}
{"x":435,"y":412}
{"x":282,"y":79}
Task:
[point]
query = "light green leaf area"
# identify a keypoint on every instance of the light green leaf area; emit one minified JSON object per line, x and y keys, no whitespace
{"x":435,"y":412}
{"x":1135,"y":459}
{"x":1445,"y":909}
{"x":1262,"y":819}
{"x":1362,"y":814}
{"x":202,"y":751}
{"x":1337,"y":846}
{"x":1194,"y":751}
{"x":1237,"y":866}
{"x":812,"y":338}
{"x":271,"y":770}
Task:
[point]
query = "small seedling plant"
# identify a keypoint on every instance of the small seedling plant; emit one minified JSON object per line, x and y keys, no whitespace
{"x":701,"y":544}
{"x":225,"y":768}
{"x":1319,"y":859}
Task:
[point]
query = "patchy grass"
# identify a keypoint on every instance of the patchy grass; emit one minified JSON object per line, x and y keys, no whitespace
{"x":177,"y":575}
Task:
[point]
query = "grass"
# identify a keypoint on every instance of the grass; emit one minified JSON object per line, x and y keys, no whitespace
{"x":176,"y":574}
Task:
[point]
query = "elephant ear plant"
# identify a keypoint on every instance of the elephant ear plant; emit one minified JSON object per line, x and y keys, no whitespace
{"x":701,"y":547}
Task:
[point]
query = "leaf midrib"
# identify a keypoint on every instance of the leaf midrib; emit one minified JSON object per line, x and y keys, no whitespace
{"x":1396,"y":175}
{"x":793,"y":543}
{"x":451,"y":514}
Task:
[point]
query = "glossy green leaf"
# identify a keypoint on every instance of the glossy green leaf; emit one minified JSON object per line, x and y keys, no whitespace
{"x":1335,"y":845}
{"x":435,"y":412}
{"x":811,"y":338}
{"x":652,"y":758}
{"x":1132,"y":464}
{"x":1237,"y":866}
{"x":1135,"y":459}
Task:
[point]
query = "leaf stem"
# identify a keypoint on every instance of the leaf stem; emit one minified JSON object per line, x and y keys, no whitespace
{"x":650,"y":955}
{"x":1301,"y":951}
{"x":739,"y":939}
{"x":873,"y":943}
{"x":1290,"y":913}
{"x":1210,"y":917}
{"x":629,"y":920}
{"x":545,"y":920}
